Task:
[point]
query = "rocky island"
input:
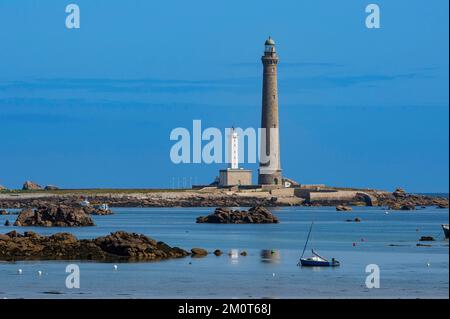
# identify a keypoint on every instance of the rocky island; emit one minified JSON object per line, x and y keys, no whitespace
{"x":64,"y":246}
{"x":400,"y":200}
{"x":54,"y":216}
{"x":255,"y":215}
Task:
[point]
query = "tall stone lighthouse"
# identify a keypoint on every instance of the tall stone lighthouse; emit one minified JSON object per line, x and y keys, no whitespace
{"x":269,"y":163}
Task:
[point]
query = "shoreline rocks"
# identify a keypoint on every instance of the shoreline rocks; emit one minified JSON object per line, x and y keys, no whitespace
{"x":159,"y":200}
{"x":119,"y":245}
{"x":400,"y":200}
{"x":198,"y":198}
{"x":97,"y":211}
{"x":255,"y":215}
{"x":54,"y":216}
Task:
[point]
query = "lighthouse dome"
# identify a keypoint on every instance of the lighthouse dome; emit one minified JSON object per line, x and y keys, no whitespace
{"x":269,"y":41}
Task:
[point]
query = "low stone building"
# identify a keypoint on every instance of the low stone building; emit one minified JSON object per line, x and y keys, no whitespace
{"x":235,"y":177}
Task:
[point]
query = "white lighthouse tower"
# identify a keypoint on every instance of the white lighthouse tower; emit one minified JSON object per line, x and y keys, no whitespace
{"x":233,"y":175}
{"x":234,"y":149}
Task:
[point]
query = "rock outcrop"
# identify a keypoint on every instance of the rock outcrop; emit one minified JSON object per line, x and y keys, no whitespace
{"x":97,"y":211}
{"x":116,"y":246}
{"x":198,"y":252}
{"x":355,"y":220}
{"x":59,"y":216}
{"x":401,"y":200}
{"x":51,"y":188}
{"x":2,"y":188}
{"x":255,"y":215}
{"x":28,"y":185}
{"x":402,"y":206}
{"x":341,"y":208}
{"x":399,"y":193}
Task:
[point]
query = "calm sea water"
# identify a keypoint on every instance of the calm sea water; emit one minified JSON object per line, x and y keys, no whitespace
{"x":268,"y":271}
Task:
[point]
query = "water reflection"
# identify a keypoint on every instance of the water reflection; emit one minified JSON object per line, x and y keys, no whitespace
{"x":270,"y":256}
{"x":318,"y":269}
{"x":234,"y":254}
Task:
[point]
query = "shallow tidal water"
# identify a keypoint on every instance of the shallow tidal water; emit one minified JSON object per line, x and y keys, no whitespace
{"x":268,"y":271}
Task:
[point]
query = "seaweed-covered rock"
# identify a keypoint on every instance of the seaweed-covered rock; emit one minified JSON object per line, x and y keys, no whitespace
{"x":426,"y":238}
{"x":116,"y":246}
{"x":255,"y":215}
{"x":199,"y":252}
{"x":402,"y":206}
{"x":408,"y":206}
{"x":97,"y":211}
{"x":49,"y":216}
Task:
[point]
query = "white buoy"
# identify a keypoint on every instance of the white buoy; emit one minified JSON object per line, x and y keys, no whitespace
{"x":273,"y":274}
{"x":19,"y":271}
{"x":39,"y":273}
{"x":428,"y":264}
{"x":115,"y":267}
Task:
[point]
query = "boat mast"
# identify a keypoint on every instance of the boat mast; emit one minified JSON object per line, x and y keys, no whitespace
{"x":307,"y":239}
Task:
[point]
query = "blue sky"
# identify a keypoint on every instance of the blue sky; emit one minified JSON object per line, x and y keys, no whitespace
{"x":94,"y":107}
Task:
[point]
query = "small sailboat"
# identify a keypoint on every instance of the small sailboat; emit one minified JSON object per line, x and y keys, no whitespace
{"x":315,"y":260}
